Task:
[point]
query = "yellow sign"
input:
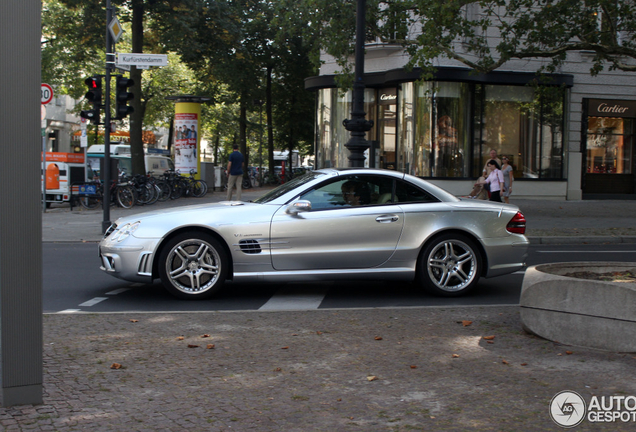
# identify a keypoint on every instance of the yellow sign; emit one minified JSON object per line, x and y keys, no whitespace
{"x":115,"y":29}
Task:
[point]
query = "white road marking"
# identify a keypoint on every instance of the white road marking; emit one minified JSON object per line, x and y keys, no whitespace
{"x":118,"y":291}
{"x":585,"y":251}
{"x":93,"y":302}
{"x":299,"y":299}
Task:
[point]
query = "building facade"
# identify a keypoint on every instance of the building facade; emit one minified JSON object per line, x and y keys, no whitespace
{"x":569,"y":135}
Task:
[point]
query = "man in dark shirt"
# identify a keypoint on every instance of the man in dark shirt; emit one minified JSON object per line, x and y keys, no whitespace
{"x":234,"y":173}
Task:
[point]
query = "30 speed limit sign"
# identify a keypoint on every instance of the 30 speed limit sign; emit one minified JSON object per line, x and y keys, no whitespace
{"x":46,"y":93}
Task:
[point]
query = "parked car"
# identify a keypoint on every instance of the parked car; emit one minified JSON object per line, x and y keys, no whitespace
{"x":328,"y":224}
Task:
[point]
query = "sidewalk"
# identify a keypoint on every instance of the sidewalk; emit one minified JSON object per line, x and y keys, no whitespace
{"x":407,"y":369}
{"x":564,"y":222}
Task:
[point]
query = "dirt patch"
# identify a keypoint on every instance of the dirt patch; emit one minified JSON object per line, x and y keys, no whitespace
{"x":619,"y":276}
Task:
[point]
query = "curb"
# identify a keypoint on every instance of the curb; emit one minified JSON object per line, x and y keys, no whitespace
{"x":549,"y":240}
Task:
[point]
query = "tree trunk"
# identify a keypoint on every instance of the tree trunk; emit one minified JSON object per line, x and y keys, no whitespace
{"x":137,"y":116}
{"x":268,"y":115}
{"x":243,"y":135}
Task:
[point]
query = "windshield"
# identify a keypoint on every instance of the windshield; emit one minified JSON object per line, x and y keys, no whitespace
{"x":287,"y":187}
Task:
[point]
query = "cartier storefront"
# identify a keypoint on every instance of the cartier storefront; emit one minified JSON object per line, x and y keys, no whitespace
{"x":608,"y":157}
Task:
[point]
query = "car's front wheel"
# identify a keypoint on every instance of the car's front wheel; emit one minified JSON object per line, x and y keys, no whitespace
{"x":193,"y":265}
{"x":450,"y":265}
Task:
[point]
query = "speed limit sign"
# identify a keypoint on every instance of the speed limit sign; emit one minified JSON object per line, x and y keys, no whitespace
{"x":46,"y":93}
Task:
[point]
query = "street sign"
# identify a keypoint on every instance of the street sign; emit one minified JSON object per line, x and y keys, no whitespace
{"x":137,"y":59}
{"x":46,"y":93}
{"x":115,"y":29}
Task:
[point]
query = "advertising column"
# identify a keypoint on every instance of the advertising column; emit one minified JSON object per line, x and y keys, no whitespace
{"x":186,"y":147}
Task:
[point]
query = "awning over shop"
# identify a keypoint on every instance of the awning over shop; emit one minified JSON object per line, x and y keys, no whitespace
{"x":147,"y":137}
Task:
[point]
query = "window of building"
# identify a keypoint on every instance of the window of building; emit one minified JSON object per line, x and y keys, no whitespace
{"x":609,"y":145}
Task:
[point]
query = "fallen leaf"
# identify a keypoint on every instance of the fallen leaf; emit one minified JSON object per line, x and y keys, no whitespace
{"x":193,"y":346}
{"x":285,"y":347}
{"x":294,"y":334}
{"x":488,"y":337}
{"x":134,"y":320}
{"x":569,"y":352}
{"x":116,"y":366}
{"x":466,"y":323}
{"x":180,"y":338}
{"x":277,"y":370}
{"x":413,"y":367}
{"x":205,"y":336}
{"x":372,"y":378}
{"x":505,"y":362}
{"x":378,"y":338}
{"x":490,"y":342}
{"x":339,"y":399}
{"x":524,"y":364}
{"x":318,"y":332}
{"x":210,"y":346}
{"x":455,"y":355}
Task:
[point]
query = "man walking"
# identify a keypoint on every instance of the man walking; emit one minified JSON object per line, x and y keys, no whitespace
{"x":234,"y":173}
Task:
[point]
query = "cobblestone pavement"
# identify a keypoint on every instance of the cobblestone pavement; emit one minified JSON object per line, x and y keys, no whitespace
{"x":433,"y":369}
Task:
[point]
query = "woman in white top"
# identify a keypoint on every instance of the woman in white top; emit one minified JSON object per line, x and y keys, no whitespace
{"x":495,"y":179}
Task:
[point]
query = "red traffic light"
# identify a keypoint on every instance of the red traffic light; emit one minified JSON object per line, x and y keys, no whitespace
{"x":93,"y":83}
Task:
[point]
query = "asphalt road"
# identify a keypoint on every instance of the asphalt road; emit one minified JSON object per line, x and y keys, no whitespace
{"x":73,"y":283}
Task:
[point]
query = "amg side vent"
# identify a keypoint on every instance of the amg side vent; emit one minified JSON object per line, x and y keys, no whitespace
{"x":250,"y":246}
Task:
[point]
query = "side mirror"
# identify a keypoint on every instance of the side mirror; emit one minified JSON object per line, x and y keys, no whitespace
{"x":298,"y":207}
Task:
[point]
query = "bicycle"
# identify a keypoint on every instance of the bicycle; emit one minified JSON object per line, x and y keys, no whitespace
{"x":121,"y":194}
{"x":194,"y":187}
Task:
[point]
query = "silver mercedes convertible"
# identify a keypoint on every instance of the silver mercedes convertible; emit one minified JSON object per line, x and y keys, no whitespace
{"x":326,"y":225}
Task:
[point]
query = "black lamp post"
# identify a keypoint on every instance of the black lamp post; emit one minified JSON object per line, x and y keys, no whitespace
{"x":358,"y":125}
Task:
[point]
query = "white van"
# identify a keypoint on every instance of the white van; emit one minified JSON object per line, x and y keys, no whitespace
{"x":158,"y":164}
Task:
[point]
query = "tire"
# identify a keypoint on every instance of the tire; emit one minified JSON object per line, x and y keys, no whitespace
{"x":199,"y":188}
{"x":145,"y":192}
{"x":450,"y":265}
{"x":164,"y":187}
{"x":125,"y":196}
{"x":246,"y":184}
{"x":176,"y":191}
{"x":193,"y":266}
{"x":89,"y":202}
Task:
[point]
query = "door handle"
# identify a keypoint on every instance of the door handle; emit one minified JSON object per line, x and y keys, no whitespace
{"x":387,"y":218}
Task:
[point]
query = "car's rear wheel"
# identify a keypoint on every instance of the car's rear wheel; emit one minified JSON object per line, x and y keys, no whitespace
{"x":450,"y":265}
{"x":193,"y":265}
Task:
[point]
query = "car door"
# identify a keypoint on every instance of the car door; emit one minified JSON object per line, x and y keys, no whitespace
{"x":344,"y":229}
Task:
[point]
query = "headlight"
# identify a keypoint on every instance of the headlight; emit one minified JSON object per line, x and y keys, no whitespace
{"x":124,"y":231}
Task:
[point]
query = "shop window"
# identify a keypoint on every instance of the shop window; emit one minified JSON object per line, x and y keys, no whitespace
{"x":609,"y":145}
{"x":525,"y":124}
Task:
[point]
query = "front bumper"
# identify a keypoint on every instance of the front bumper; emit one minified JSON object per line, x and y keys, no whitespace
{"x":126,"y":261}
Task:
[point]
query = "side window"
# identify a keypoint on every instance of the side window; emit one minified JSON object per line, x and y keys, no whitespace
{"x":350,"y":191}
{"x":407,"y":193}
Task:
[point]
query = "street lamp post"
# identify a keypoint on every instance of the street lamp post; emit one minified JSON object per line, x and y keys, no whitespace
{"x":358,"y":125}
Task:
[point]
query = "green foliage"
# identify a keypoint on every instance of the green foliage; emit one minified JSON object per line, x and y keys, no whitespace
{"x":486,"y":34}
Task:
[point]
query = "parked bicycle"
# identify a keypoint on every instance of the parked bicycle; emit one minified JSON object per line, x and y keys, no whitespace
{"x":121,"y":194}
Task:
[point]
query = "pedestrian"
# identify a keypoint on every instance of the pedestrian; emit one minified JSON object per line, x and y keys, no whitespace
{"x":508,"y":176}
{"x":493,"y":156}
{"x":495,"y":180}
{"x":234,"y":173}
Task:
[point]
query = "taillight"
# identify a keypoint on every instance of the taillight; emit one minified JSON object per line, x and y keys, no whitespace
{"x":517,"y":224}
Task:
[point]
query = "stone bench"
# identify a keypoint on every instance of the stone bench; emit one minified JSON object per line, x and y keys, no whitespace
{"x":577,"y":311}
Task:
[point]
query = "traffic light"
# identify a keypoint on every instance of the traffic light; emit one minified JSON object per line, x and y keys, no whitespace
{"x":94,"y":96}
{"x":122,"y":96}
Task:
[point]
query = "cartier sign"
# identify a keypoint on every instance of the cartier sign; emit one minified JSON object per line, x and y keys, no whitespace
{"x":611,"y":108}
{"x":388,"y":96}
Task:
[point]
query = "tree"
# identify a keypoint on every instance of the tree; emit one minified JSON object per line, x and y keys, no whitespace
{"x":484,"y":35}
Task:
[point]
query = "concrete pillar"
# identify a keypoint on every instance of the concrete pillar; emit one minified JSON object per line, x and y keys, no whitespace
{"x":20,"y":204}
